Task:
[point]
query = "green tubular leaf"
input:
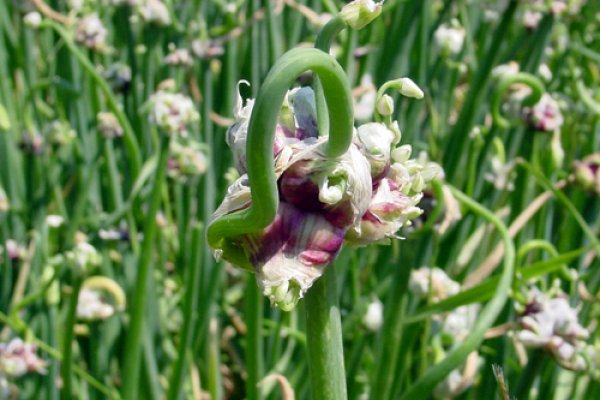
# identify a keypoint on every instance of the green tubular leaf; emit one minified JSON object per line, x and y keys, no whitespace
{"x":537,"y":90}
{"x":485,"y":290}
{"x":128,"y":135}
{"x":543,"y":181}
{"x":425,"y":384}
{"x":261,"y":130}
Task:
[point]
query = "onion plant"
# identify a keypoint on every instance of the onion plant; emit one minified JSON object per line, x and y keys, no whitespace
{"x":309,"y":199}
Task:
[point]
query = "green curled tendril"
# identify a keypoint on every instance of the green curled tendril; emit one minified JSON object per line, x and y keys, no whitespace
{"x":261,"y":133}
{"x":537,"y":90}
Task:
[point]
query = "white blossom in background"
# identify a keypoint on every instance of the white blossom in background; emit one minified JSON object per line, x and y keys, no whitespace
{"x":18,"y":358}
{"x":505,"y":70}
{"x":373,"y":318}
{"x":502,"y":174}
{"x":545,"y":115}
{"x":90,"y":32}
{"x":172,"y":112}
{"x":459,"y":322}
{"x":108,"y":125}
{"x":545,"y":72}
{"x":4,"y":204}
{"x":450,"y":37}
{"x":91,"y":306}
{"x":550,"y":322}
{"x":180,"y":57}
{"x":14,"y":250}
{"x":32,"y":19}
{"x":84,"y":257}
{"x":54,"y":221}
{"x":427,"y":281}
{"x":154,"y":11}
{"x":587,"y":173}
{"x":186,"y":160}
{"x":364,"y":104}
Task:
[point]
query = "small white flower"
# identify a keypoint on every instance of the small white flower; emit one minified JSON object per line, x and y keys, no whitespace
{"x":179,"y":57}
{"x":505,"y":70}
{"x":450,"y":38}
{"x":365,"y":102}
{"x":552,"y":323}
{"x":4,"y":204}
{"x":531,"y":19}
{"x":18,"y":358}
{"x":172,"y":112}
{"x":359,"y":13}
{"x":545,"y":115}
{"x":91,"y":32}
{"x":92,"y":307}
{"x":84,"y":257}
{"x":373,"y":318}
{"x":33,"y":19}
{"x":54,"y":221}
{"x":154,"y":11}
{"x":434,"y":282}
{"x":108,"y":125}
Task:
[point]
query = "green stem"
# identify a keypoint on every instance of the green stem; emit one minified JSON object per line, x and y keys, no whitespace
{"x":128,"y":134}
{"x":324,"y":339}
{"x":534,"y":83}
{"x":193,"y":282}
{"x":69,"y":333}
{"x":468,"y":112}
{"x":324,"y":41}
{"x":134,"y":337}
{"x":261,"y":130}
{"x":254,"y":341}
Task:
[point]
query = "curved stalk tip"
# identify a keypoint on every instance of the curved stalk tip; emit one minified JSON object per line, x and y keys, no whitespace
{"x":261,"y":132}
{"x":534,"y":83}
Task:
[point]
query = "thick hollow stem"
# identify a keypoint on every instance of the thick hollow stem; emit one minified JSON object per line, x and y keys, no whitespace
{"x":133,"y":344}
{"x":324,"y":339}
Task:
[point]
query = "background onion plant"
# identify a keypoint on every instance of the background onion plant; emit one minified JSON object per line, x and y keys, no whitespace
{"x":122,"y":128}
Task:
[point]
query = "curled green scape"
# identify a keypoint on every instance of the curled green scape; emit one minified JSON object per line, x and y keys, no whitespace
{"x":261,"y":133}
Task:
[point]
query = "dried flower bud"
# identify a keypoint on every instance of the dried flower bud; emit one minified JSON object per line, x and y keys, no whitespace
{"x":359,"y":13}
